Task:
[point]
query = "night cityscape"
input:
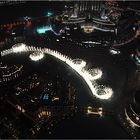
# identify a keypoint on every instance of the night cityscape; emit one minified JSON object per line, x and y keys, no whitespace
{"x":70,"y":69}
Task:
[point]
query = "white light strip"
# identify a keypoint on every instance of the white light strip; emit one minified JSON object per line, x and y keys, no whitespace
{"x":79,"y":68}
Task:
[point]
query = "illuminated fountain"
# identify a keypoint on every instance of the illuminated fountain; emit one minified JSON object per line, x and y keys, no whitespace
{"x":104,"y":92}
{"x":79,"y":63}
{"x":36,"y":56}
{"x":20,"y":47}
{"x":89,"y":76}
{"x":94,"y":74}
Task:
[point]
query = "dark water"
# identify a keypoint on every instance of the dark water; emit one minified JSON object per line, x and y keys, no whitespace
{"x":80,"y":126}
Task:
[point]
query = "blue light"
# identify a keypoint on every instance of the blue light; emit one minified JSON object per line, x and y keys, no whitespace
{"x":138,"y":60}
{"x":44,"y":29}
{"x":49,"y":14}
{"x":45,"y":97}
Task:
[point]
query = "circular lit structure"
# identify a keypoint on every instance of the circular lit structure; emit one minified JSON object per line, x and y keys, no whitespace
{"x":79,"y":63}
{"x":36,"y":56}
{"x":104,"y":92}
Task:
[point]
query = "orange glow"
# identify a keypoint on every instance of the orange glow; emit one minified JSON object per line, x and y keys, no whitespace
{"x":43,"y":114}
{"x":29,"y":24}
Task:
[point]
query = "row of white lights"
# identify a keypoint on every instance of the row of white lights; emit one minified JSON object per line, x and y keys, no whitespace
{"x":77,"y":64}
